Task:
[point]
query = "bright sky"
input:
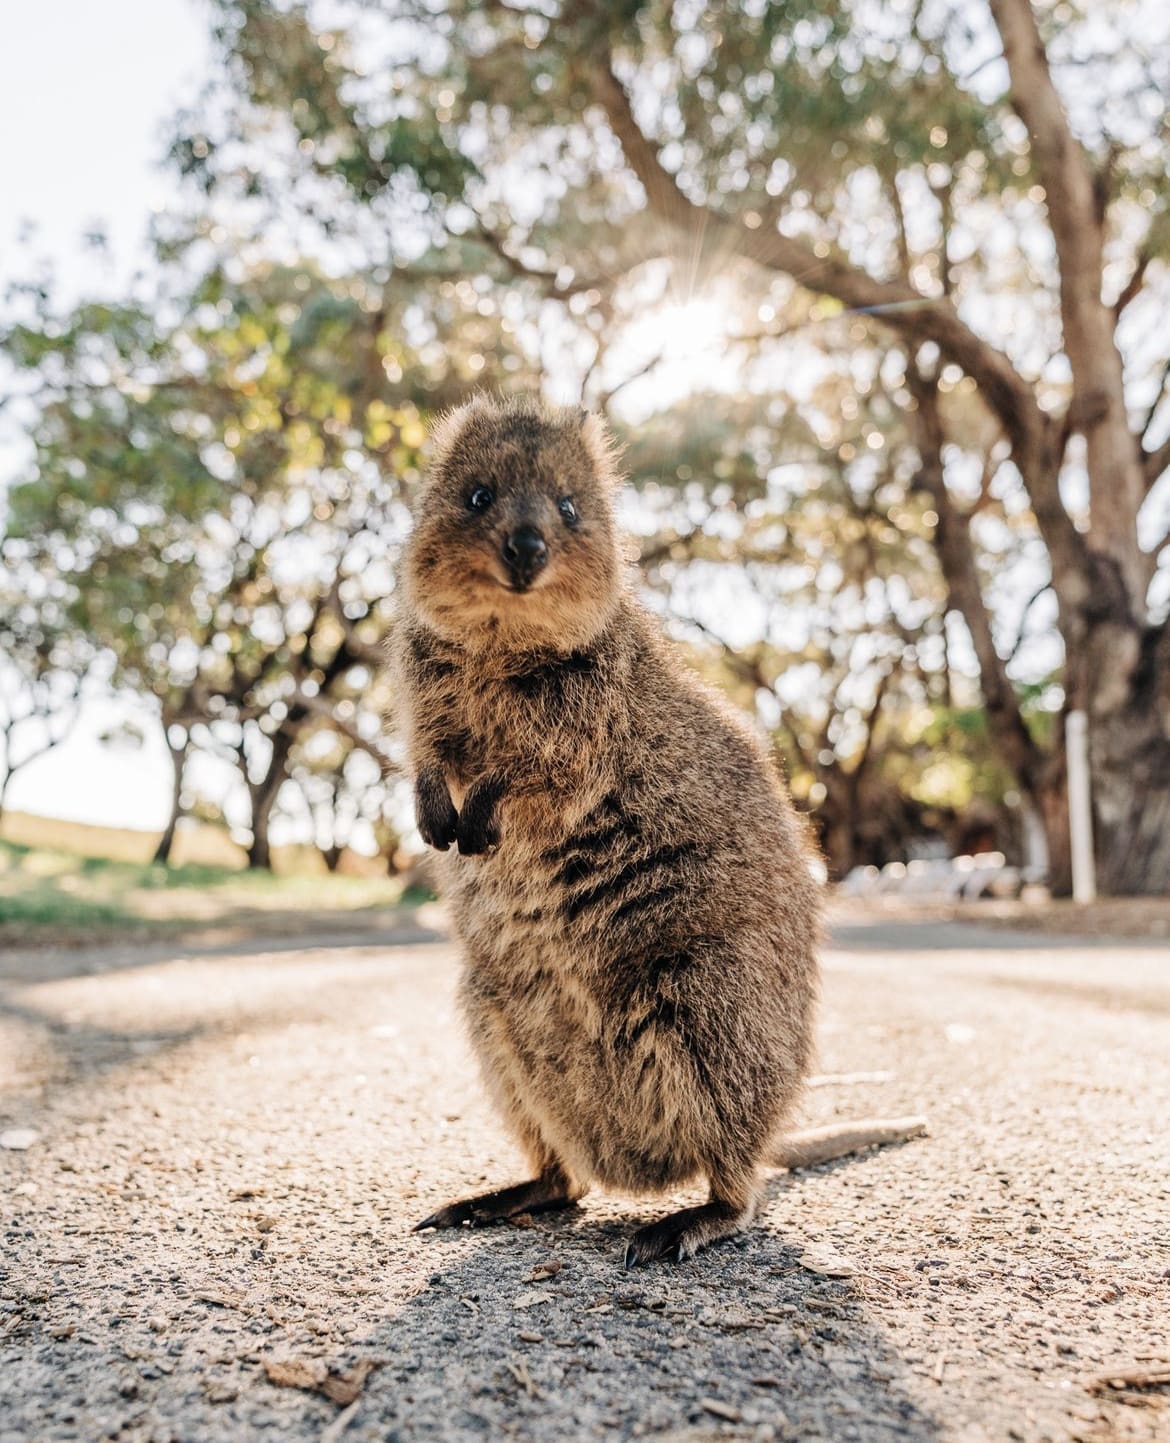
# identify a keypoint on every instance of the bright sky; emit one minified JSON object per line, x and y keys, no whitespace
{"x":85,"y":92}
{"x":86,"y":88}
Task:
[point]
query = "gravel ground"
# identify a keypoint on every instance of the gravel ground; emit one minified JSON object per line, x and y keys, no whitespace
{"x":230,"y":1149}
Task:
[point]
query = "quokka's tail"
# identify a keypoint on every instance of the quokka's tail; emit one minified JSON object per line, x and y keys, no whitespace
{"x":815,"y":1145}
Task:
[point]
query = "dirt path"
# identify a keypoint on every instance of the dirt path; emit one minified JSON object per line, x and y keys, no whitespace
{"x":230,"y":1150}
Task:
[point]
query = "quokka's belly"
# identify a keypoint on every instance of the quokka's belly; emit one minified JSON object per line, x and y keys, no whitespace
{"x":616,"y":1111}
{"x":622,"y":1136}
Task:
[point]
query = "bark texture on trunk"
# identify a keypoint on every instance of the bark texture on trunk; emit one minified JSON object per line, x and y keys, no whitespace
{"x":1132,"y":809}
{"x":263,"y":801}
{"x":1050,"y":799}
{"x":1076,"y":214}
{"x":1129,"y":751}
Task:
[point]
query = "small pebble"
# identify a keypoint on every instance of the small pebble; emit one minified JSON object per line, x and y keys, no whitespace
{"x":18,"y":1139}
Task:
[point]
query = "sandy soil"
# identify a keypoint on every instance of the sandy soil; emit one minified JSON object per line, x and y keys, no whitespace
{"x":230,"y":1147}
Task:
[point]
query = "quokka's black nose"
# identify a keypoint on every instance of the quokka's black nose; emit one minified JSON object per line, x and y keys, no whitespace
{"x":524,"y":553}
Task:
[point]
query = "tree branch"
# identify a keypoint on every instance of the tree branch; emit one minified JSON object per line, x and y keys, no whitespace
{"x":1132,"y":288}
{"x":1156,"y":462}
{"x":956,"y":556}
{"x":871,"y":721}
{"x":1023,"y":627}
{"x":319,"y":707}
{"x":1076,"y":215}
{"x":896,"y":304}
{"x":549,"y":280}
{"x":1061,"y":163}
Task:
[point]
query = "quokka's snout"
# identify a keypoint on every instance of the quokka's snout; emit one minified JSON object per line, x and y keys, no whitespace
{"x":524,"y":552}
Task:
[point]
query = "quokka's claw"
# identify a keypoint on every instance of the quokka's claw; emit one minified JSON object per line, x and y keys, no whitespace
{"x":654,"y":1244}
{"x":451,"y":1216}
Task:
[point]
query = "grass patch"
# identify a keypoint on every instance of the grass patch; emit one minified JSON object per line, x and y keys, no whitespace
{"x":52,"y":895}
{"x":44,"y":908}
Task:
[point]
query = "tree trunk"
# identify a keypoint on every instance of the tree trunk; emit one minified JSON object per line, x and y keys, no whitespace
{"x":264,"y":794}
{"x":840,"y":818}
{"x":162,"y":853}
{"x":332,"y":856}
{"x":263,"y":800}
{"x":1129,"y":750}
{"x":1120,"y":676}
{"x":1132,"y":810}
{"x":1050,"y":799}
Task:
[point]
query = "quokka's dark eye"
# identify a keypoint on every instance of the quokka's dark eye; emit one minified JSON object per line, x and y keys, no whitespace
{"x":568,"y":510}
{"x":481,"y":498}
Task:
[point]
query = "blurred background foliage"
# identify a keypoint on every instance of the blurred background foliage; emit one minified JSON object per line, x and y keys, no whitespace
{"x":802,"y":256}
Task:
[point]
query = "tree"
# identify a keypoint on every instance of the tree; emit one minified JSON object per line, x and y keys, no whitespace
{"x":876,"y":158}
{"x":43,"y":671}
{"x":213,"y":498}
{"x":343,"y":787}
{"x":806,"y":582}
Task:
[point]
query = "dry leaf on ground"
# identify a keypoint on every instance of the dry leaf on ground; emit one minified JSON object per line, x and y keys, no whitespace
{"x":220,"y":1298}
{"x":825,"y":1263}
{"x":543,"y":1271}
{"x":531,"y":1299}
{"x":519,"y":1370}
{"x":1130,"y":1377}
{"x":316,"y":1376}
{"x":296,"y":1372}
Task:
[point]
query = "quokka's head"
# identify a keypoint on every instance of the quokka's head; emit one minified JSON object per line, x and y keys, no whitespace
{"x":514,"y":543}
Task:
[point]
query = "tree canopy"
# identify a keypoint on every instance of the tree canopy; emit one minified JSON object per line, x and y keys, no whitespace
{"x":925,"y":245}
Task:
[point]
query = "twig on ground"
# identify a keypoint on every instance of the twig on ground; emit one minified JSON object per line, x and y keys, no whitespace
{"x":1130,"y":1377}
{"x":847,"y":1079}
{"x":340,"y":1423}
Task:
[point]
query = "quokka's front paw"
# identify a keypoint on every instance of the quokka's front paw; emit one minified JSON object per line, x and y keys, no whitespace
{"x":438,"y":821}
{"x":477,"y":831}
{"x":476,"y":834}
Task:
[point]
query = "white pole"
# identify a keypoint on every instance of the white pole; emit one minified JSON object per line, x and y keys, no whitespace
{"x":1080,"y":808}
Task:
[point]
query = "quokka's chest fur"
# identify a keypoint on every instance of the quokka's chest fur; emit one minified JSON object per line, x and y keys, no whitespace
{"x":555,"y":726}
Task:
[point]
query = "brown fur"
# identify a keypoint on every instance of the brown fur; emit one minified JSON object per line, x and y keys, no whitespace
{"x":631,"y":885}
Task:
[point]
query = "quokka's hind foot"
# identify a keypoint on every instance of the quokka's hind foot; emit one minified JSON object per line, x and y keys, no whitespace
{"x":545,"y":1193}
{"x":680,"y":1236}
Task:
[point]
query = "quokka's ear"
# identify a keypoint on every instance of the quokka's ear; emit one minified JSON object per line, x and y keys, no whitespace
{"x":604,"y":450}
{"x":448,"y":427}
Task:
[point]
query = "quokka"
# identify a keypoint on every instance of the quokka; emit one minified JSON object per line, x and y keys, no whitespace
{"x":628,"y":878}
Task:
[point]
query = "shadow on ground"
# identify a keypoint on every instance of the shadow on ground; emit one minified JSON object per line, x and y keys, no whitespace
{"x":233,"y":1150}
{"x":908,"y":934}
{"x":739,"y":1342}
